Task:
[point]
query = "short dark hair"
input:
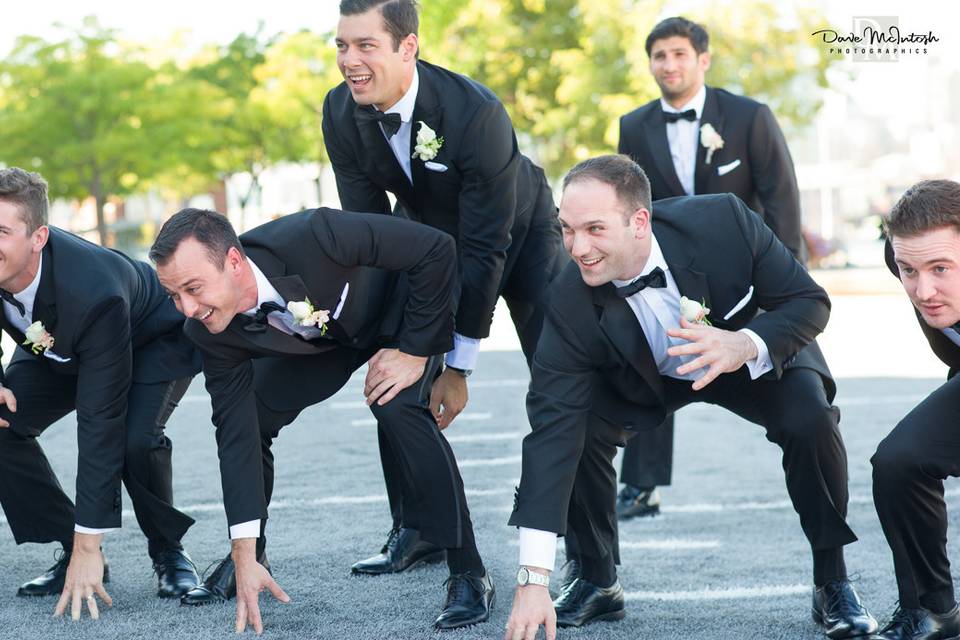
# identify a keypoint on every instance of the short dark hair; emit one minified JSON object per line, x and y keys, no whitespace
{"x":209,"y":228}
{"x":927,"y":205}
{"x":400,"y":17}
{"x":28,"y":191}
{"x":682,"y":27}
{"x":620,"y":172}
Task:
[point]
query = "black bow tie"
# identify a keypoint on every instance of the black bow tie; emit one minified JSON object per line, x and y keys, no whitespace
{"x":672,"y":116}
{"x":259,"y":322}
{"x":389,"y":121}
{"x":8,"y":297}
{"x":656,"y":279}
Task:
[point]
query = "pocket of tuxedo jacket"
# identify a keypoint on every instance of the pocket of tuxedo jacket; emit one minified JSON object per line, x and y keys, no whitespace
{"x":52,"y":356}
{"x":740,"y":305}
{"x":435,"y":166}
{"x":727,"y":168}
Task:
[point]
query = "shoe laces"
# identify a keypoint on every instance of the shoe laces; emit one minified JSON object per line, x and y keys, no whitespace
{"x":570,"y":591}
{"x":840,"y":600}
{"x":175,"y":552}
{"x":905,"y":618}
{"x":393,"y":537}
{"x":458,"y":586}
{"x":60,"y":556}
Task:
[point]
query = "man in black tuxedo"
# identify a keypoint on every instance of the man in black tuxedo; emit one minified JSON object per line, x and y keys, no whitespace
{"x":909,"y":467}
{"x":615,"y":357}
{"x":96,"y":333}
{"x":444,"y":146}
{"x":282,"y":317}
{"x":666,"y":138}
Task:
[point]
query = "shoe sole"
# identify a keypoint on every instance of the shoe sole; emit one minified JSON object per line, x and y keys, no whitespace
{"x":646,"y":513}
{"x":610,"y":616}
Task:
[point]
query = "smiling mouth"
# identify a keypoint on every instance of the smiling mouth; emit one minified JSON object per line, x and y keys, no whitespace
{"x":591,"y":262}
{"x":205,"y":316}
{"x":360,"y":80}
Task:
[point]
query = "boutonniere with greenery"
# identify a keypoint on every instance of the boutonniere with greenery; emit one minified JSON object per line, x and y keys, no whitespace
{"x":38,"y":338}
{"x":693,"y":311}
{"x":710,"y":139}
{"x":306,"y":316}
{"x":428,"y":144}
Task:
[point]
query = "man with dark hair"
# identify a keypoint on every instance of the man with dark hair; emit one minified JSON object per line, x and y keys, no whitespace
{"x":923,"y":251}
{"x":282,"y":317}
{"x":697,"y":139}
{"x":623,"y":344}
{"x":445,"y":147}
{"x":96,"y":334}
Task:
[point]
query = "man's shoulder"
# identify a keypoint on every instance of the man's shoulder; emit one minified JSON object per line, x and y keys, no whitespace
{"x":568,"y":290}
{"x":456,"y":86}
{"x":338,"y":103}
{"x":734,"y":103}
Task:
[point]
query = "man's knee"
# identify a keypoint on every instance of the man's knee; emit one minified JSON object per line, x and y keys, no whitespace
{"x":897,"y":458}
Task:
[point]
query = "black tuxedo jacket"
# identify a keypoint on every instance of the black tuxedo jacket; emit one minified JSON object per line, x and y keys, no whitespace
{"x":112,"y":324}
{"x":484,"y":198}
{"x":401,"y":278}
{"x":764,"y":178}
{"x":593,"y":358}
{"x":942,"y":346}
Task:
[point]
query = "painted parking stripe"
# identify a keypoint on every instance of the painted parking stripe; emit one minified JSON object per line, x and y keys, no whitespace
{"x":463,"y":417}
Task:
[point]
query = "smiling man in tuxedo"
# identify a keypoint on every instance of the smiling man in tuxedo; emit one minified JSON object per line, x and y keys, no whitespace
{"x":912,"y":462}
{"x":444,"y":146}
{"x":283,"y":316}
{"x":96,"y":334}
{"x":670,"y":139}
{"x":615,"y":357}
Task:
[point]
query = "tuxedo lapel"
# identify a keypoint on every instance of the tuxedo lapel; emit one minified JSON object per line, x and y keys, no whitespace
{"x":703,"y":171}
{"x":380,"y":155}
{"x":655,"y":130}
{"x":690,"y":282}
{"x":44,"y":303}
{"x":429,"y":110}
{"x":623,"y":329}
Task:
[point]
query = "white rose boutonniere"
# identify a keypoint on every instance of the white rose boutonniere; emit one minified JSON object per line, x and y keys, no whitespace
{"x":693,"y":311}
{"x":306,"y":316}
{"x":710,"y":139}
{"x":38,"y":338}
{"x":428,"y":144}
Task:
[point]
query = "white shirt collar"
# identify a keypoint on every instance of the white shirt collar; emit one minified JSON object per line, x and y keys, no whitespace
{"x":654,"y":260}
{"x":409,"y":100}
{"x":696,"y":103}
{"x":28,"y":295}
{"x":265,"y":290}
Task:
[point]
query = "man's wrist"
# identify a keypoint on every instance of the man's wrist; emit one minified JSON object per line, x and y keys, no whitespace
{"x":87,"y":542}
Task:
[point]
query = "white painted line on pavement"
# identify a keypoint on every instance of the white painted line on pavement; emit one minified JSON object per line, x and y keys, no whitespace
{"x":861,"y":400}
{"x":463,"y":417}
{"x":488,"y":437}
{"x":490,"y":462}
{"x":729,"y":593}
{"x":670,"y":544}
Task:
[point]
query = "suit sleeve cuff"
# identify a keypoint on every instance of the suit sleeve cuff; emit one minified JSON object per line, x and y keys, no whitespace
{"x":761,"y":364}
{"x":465,"y":352}
{"x":93,"y":531}
{"x":538,"y":548}
{"x":248,"y":529}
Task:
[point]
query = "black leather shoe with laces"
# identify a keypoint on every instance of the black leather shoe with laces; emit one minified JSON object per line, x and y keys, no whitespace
{"x":176,"y":573}
{"x":837,"y":608}
{"x":581,"y":602}
{"x":921,"y":624}
{"x":51,"y":582}
{"x":469,"y":601}
{"x":403,"y":550}
{"x":219,"y":586}
{"x":635,"y":502}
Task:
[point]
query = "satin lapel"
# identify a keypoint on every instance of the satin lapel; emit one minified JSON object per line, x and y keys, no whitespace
{"x":275,"y":340}
{"x":621,"y":326}
{"x":44,"y":304}
{"x":427,"y":109}
{"x":703,"y":171}
{"x":691,"y":283}
{"x":290,"y":288}
{"x":376,"y":148}
{"x":656,"y":134}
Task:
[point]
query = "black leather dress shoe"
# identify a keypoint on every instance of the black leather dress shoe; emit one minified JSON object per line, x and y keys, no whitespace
{"x":220,"y":586}
{"x":469,"y":601}
{"x":837,"y":608}
{"x":51,"y":582}
{"x":581,"y":602}
{"x":634,"y":502}
{"x":920,"y":624}
{"x":404,"y":550}
{"x":569,"y":572}
{"x":176,"y":573}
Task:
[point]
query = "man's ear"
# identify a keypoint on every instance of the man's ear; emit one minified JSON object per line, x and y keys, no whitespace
{"x":641,"y":220}
{"x":39,"y":238}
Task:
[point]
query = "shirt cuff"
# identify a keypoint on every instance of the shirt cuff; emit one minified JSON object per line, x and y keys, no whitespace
{"x":761,"y":364}
{"x":465,"y":352}
{"x":248,"y":529}
{"x":91,"y":530}
{"x":538,"y":548}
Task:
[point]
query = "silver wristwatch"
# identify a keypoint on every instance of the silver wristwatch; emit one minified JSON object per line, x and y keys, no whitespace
{"x":525,"y":577}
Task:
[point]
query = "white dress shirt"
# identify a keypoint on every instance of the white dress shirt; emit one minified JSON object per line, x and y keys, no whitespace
{"x":683,"y":136}
{"x":656,"y":309}
{"x":465,"y":350}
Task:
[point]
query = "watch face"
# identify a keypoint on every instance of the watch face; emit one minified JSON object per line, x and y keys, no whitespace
{"x":523,"y":576}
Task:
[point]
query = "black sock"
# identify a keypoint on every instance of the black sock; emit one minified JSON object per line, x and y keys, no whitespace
{"x":601,"y":572}
{"x":465,"y":560}
{"x":155,"y":547}
{"x":941,"y":601}
{"x":828,"y":565}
